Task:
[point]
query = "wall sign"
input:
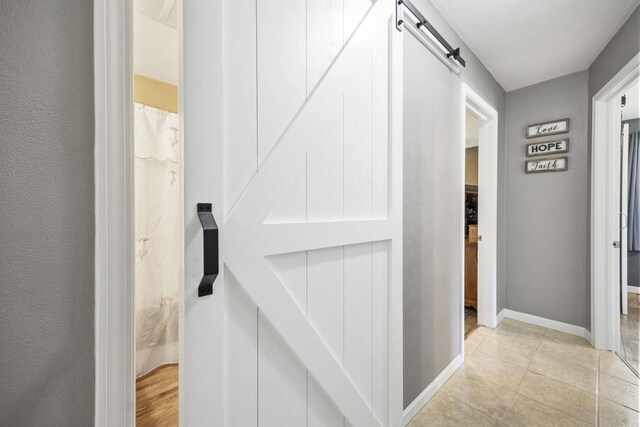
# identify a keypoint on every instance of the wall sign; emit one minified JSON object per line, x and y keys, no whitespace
{"x":548,"y":128}
{"x":557,"y":164}
{"x":549,"y":147}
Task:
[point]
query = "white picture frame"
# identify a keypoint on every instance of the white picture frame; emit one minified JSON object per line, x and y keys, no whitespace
{"x":553,"y":127}
{"x":546,"y":148}
{"x":555,"y":164}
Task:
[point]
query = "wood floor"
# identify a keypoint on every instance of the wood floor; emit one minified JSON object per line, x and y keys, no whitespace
{"x":157,"y":397}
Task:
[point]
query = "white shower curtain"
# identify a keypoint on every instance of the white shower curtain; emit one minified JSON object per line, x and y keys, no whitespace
{"x":157,"y":237}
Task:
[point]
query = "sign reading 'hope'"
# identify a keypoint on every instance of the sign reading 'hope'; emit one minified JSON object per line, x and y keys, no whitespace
{"x":549,"y":147}
{"x":548,"y":128}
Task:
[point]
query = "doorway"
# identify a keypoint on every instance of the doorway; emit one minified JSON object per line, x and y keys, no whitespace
{"x":472,"y":136}
{"x":266,"y":340}
{"x":479,"y":208}
{"x":609,"y":216}
{"x":157,"y":210}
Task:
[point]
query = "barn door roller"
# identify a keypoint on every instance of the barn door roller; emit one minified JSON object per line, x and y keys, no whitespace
{"x":423,"y":23}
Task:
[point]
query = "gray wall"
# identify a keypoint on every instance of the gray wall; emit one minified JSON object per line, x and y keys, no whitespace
{"x":46,"y":213}
{"x":618,"y":52}
{"x":546,"y":246}
{"x":624,"y":45}
{"x":432,"y":214}
{"x":633,"y":258}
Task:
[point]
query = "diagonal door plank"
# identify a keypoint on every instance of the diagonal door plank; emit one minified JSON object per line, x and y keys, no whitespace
{"x":261,"y":283}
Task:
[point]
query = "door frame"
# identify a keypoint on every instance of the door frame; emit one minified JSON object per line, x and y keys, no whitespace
{"x":114,"y":360}
{"x":605,"y":207}
{"x":624,"y":213}
{"x":488,"y":173}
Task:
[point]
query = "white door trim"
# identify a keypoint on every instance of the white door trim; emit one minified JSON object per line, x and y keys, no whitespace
{"x":114,"y":369}
{"x":488,"y":210}
{"x":605,"y":178}
{"x":624,"y":220}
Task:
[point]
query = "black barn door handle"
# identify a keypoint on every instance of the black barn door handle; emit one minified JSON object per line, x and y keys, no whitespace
{"x":210,"y":246}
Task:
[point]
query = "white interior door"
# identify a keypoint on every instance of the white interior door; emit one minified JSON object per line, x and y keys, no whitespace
{"x":613,"y":221}
{"x":487,"y":223}
{"x":292,"y":129}
{"x":487,"y":209}
{"x":624,"y":220}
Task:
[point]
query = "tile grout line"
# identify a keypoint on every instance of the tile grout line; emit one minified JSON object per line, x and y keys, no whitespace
{"x":535,"y":352}
{"x":528,"y":366}
{"x":515,"y":393}
{"x":562,"y":382}
{"x":444,"y":391}
{"x":528,"y":369}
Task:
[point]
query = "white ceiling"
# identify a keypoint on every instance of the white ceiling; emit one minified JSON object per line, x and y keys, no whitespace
{"x":632,"y":107}
{"x":523,"y":42}
{"x":155,"y":40}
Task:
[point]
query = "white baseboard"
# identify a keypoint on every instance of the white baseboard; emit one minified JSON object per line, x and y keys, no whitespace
{"x":545,"y":323}
{"x":587,"y":336}
{"x":633,"y":289}
{"x":501,"y":315}
{"x":415,"y":406}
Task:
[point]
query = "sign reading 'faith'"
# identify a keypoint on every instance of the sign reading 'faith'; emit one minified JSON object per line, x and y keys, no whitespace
{"x":557,"y":164}
{"x":549,"y":147}
{"x":548,"y":128}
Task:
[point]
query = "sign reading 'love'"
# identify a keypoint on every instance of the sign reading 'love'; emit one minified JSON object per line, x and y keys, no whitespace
{"x":548,"y":128}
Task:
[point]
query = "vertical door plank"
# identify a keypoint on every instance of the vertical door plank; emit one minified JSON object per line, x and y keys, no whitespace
{"x":240,"y":101}
{"x":292,"y":206}
{"x":325,"y":192}
{"x":358,"y":134}
{"x":281,"y":68}
{"x":380,"y":287}
{"x":324,"y":37}
{"x":358,"y":317}
{"x":241,"y":349}
{"x":325,"y":297}
{"x":354,"y":11}
{"x":282,"y":380}
{"x":325,"y":312}
{"x":380,"y":112}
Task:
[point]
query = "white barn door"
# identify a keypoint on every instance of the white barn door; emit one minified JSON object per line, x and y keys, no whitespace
{"x":292,"y":118}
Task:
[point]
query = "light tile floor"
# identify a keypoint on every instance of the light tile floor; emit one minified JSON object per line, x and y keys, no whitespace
{"x":630,"y":332}
{"x":524,"y":375}
{"x":470,"y":320}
